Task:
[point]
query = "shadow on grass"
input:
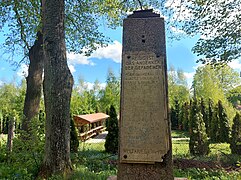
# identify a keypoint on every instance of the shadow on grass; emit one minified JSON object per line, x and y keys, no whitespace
{"x":93,"y":163}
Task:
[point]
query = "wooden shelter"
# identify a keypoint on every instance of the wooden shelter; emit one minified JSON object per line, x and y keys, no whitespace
{"x":89,"y":125}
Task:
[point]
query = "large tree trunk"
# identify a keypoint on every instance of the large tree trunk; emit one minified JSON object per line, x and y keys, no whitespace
{"x":58,"y":83}
{"x":34,"y":82}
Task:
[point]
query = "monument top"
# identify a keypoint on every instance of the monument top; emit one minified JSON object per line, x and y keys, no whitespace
{"x":148,"y":13}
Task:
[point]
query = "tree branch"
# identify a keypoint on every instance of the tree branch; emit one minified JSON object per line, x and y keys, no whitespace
{"x":20,"y":23}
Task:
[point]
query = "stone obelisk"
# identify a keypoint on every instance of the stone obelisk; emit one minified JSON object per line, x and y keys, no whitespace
{"x":144,"y":140}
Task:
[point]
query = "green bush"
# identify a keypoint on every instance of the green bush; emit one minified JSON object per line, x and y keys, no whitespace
{"x":198,"y":143}
{"x":111,"y":143}
{"x":26,"y":156}
{"x":235,"y":142}
{"x":74,"y":141}
{"x":224,"y":131}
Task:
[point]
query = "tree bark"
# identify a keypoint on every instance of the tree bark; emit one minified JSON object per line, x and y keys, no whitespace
{"x":11,"y":128}
{"x":34,"y":82}
{"x":58,"y":83}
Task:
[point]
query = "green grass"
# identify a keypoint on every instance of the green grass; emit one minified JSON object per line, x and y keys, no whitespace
{"x":179,"y":134}
{"x":3,"y":139}
{"x":94,"y":166}
{"x":202,"y":174}
{"x":93,"y":163}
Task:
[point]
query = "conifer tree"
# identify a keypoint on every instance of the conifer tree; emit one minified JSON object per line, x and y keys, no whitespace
{"x":186,"y":116}
{"x":235,"y":142}
{"x":175,"y":115}
{"x":204,"y":113}
{"x":210,"y":115}
{"x":111,"y":143}
{"x":107,"y":120}
{"x":224,"y":130}
{"x":215,"y":126}
{"x":181,"y":117}
{"x":198,"y":144}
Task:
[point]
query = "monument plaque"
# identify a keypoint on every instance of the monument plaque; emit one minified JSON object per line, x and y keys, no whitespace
{"x":145,"y":142}
{"x":144,"y":121}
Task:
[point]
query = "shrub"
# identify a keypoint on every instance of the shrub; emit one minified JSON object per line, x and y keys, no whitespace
{"x":74,"y":141}
{"x":175,"y":115}
{"x":111,"y":143}
{"x":198,"y":144}
{"x":215,"y":126}
{"x":224,"y":130}
{"x":235,"y":142}
{"x":27,"y":153}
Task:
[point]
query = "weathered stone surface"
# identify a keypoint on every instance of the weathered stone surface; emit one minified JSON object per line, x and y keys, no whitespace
{"x":112,"y":178}
{"x":145,"y":143}
{"x":144,"y":123}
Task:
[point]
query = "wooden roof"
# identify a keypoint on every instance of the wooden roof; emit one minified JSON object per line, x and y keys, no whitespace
{"x":89,"y":118}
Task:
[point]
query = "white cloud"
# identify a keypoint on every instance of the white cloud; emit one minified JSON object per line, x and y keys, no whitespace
{"x":23,"y":71}
{"x":198,"y":65}
{"x":74,"y":58}
{"x":90,"y":85}
{"x":1,"y":83}
{"x":176,"y":31}
{"x":71,"y":68}
{"x":112,"y":51}
{"x":189,"y":76}
{"x":235,"y":64}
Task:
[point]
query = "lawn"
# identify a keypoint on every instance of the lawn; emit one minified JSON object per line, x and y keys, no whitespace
{"x":92,"y":163}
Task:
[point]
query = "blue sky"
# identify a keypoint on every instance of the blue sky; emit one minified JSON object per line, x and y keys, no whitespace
{"x":179,"y":55}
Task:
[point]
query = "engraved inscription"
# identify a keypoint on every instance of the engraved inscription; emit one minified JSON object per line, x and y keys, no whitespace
{"x":144,"y":135}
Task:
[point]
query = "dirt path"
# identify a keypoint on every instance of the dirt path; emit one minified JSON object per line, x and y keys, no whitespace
{"x":97,"y":139}
{"x":101,"y":138}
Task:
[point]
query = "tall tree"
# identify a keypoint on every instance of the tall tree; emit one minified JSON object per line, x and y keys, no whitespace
{"x":111,"y":94}
{"x":206,"y":84}
{"x":23,"y":20}
{"x":22,"y":26}
{"x":11,"y":98}
{"x":34,"y":82}
{"x":175,"y":114}
{"x":228,"y":77}
{"x":205,"y":114}
{"x":186,"y":116}
{"x":218,"y":24}
{"x":215,"y":126}
{"x":210,"y":115}
{"x":224,"y":122}
{"x":177,"y":84}
{"x":58,"y":83}
{"x":234,"y":95}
